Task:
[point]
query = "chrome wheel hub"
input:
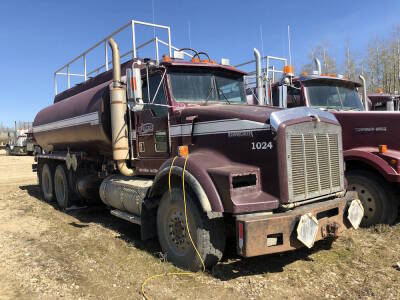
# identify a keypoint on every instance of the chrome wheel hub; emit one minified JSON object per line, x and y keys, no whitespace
{"x":177,"y":231}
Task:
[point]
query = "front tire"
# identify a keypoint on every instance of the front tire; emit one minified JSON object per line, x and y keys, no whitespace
{"x":374,"y":195}
{"x":208,"y":234}
{"x":61,"y":187}
{"x":8,"y":151}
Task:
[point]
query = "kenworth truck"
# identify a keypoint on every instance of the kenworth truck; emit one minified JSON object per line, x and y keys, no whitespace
{"x":370,"y":143}
{"x":271,"y":178}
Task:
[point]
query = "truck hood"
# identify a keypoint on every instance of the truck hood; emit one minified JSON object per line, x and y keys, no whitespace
{"x":262,"y":114}
{"x":369,"y":128}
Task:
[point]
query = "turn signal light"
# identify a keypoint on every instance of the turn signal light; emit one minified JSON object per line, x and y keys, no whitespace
{"x":183,"y":151}
{"x":393,"y":162}
{"x":382,"y":148}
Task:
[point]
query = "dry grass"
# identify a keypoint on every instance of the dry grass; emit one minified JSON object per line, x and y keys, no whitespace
{"x":45,"y":253}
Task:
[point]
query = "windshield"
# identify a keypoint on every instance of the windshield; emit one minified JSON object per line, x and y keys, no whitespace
{"x":333,"y":97}
{"x":205,"y":87}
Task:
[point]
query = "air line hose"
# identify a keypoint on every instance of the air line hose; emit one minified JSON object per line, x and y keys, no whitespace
{"x":187,"y":228}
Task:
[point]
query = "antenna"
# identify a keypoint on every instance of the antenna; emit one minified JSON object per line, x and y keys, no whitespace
{"x":262,"y":42}
{"x":290,"y":50}
{"x":190,"y":40}
{"x":152,"y":8}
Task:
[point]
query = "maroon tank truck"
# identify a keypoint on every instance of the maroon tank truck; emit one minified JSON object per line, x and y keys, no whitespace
{"x":371,"y":149}
{"x":176,"y":121}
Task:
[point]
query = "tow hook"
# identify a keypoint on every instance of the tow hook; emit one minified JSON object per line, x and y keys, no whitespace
{"x":331,"y":230}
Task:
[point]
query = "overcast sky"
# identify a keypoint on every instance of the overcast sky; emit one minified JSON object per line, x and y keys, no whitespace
{"x":37,"y":37}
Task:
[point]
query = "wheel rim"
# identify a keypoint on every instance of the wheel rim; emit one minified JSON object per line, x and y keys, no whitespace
{"x":176,"y":233}
{"x":60,"y":189}
{"x":368,"y":200}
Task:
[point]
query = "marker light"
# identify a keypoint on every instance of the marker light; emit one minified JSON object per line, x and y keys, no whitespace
{"x":382,"y":148}
{"x":166,"y":58}
{"x":288,"y":69}
{"x":183,"y":151}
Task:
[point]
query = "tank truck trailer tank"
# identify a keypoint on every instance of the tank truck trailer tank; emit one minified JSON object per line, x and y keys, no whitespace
{"x":371,"y":149}
{"x":128,"y":138}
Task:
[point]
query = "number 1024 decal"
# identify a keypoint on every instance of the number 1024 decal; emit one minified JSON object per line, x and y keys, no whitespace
{"x":261,"y":145}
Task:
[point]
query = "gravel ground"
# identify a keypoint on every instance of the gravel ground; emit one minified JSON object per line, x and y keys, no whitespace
{"x":88,"y":254}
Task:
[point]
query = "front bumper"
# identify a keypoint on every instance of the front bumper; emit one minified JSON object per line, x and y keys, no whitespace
{"x":259,"y":234}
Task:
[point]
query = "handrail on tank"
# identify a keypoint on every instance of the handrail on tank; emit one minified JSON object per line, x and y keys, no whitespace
{"x":133,"y":51}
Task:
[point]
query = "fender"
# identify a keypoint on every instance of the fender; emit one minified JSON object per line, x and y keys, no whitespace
{"x":196,"y":176}
{"x":373,"y":161}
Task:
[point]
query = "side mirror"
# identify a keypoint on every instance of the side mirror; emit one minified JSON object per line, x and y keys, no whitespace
{"x":282,"y":89}
{"x":134,"y":88}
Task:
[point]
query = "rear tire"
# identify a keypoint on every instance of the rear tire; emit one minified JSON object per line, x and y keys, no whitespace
{"x":8,"y":151}
{"x":46,"y":183}
{"x":375,"y":195}
{"x":61,"y":187}
{"x":208,"y":234}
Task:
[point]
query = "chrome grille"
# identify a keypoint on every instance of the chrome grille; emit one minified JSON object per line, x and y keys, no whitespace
{"x":314,"y":162}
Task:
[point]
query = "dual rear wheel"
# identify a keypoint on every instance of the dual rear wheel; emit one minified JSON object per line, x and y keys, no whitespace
{"x":54,"y":184}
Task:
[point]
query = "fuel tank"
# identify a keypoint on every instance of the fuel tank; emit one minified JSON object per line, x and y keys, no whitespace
{"x":78,"y":122}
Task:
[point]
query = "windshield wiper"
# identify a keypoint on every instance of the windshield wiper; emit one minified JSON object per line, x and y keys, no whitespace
{"x":210,"y":90}
{"x":223,"y":94}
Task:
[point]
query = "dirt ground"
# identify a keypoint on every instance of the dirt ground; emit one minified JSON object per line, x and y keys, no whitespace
{"x":89,"y":254}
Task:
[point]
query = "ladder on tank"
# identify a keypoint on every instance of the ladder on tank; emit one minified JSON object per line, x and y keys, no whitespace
{"x":132,"y":53}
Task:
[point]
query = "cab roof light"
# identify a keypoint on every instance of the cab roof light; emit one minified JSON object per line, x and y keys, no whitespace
{"x":195,"y":60}
{"x":288,"y":70}
{"x":382,"y":149}
{"x":166,"y":58}
{"x":225,"y":62}
{"x":179,"y":55}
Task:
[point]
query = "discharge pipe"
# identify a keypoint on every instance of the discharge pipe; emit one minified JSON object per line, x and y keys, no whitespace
{"x":364,"y":93}
{"x":318,"y":64}
{"x":119,"y":129}
{"x":259,"y":78}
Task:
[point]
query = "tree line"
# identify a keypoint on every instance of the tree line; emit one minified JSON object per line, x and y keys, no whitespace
{"x":380,"y":64}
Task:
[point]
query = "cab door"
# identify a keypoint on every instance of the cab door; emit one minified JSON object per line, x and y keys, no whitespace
{"x":152,"y":124}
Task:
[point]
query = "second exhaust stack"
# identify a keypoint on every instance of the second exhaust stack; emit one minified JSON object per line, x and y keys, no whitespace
{"x":259,"y":79}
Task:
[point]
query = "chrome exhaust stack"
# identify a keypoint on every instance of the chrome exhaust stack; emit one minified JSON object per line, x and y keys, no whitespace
{"x":119,"y":128}
{"x":259,"y":78}
{"x":318,"y":65}
{"x":364,"y":93}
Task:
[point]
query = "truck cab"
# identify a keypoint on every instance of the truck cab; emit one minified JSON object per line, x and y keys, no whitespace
{"x":369,"y":149}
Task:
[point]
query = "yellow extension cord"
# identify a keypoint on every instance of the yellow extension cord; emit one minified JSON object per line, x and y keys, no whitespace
{"x":187,"y":228}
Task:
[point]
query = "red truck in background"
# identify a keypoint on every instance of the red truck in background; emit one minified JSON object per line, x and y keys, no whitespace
{"x":384,"y":102}
{"x":371,"y":148}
